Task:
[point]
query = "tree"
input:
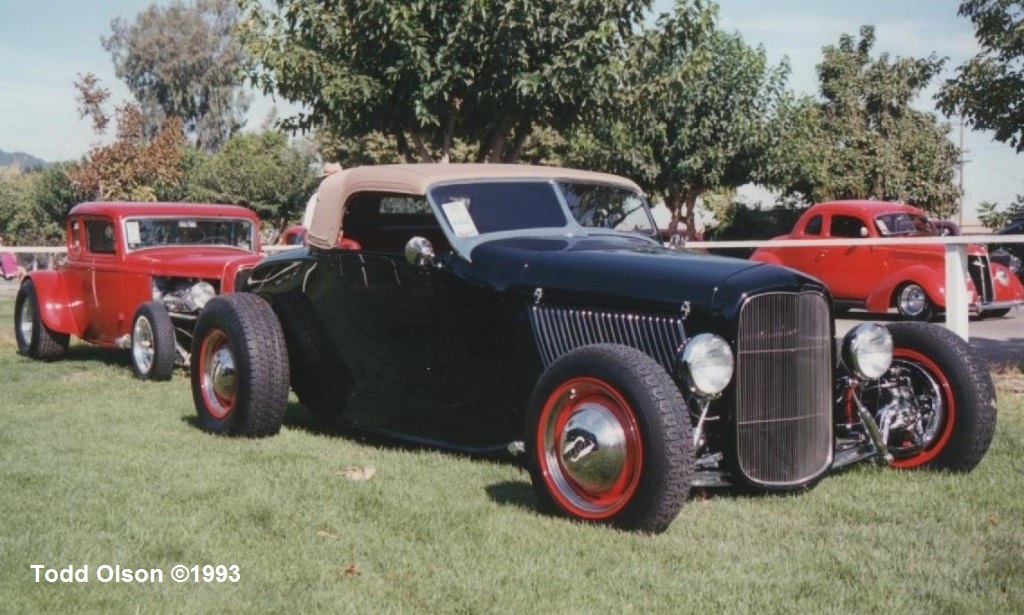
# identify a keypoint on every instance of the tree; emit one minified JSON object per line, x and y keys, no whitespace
{"x":261,"y":171}
{"x":863,"y":139}
{"x":428,"y":72}
{"x":184,"y":62}
{"x":988,"y":89}
{"x":993,"y":218}
{"x":22,"y":221}
{"x":694,"y":115}
{"x":134,"y":166}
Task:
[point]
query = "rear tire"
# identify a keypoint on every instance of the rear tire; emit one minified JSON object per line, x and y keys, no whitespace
{"x":946,"y":399}
{"x":35,"y":339}
{"x":608,"y":439}
{"x":153,"y":342}
{"x":240,"y":367}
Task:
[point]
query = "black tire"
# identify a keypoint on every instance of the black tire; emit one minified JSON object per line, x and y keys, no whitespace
{"x":153,"y":342}
{"x":641,"y":488}
{"x":319,"y":376}
{"x":950,"y":404}
{"x":239,"y":367}
{"x":913,"y":303}
{"x":35,"y":339}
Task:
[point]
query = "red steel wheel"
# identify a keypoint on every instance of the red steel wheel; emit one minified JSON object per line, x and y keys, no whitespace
{"x":608,"y":439}
{"x":591,"y":454}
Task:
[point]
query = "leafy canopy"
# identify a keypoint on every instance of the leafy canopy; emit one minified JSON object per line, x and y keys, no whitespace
{"x":428,"y":72}
{"x":988,"y":89}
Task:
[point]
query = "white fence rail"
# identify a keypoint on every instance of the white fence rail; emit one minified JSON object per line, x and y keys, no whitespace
{"x":957,"y":315}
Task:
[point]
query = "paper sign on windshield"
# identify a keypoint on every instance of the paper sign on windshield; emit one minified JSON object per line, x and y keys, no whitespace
{"x":458,"y":216}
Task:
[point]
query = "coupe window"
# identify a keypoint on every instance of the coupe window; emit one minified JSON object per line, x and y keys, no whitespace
{"x":492,"y":207}
{"x":157,"y":232}
{"x":847,"y":226}
{"x":904,"y":224}
{"x":598,"y":206}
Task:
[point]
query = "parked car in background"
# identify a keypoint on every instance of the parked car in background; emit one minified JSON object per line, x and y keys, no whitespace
{"x":476,"y":313}
{"x":137,"y":276}
{"x":910,"y":278}
{"x":1010,"y":254}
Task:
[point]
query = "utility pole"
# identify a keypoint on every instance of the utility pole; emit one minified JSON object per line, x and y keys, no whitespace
{"x":960,"y":171}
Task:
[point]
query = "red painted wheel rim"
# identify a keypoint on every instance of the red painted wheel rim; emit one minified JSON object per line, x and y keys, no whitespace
{"x":589,"y":448}
{"x":217,"y":374}
{"x":948,"y":419}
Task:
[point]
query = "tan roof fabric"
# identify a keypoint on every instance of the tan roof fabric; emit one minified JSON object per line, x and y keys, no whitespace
{"x":415,"y":179}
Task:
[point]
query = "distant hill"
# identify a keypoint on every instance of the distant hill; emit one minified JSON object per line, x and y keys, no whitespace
{"x":21,"y":160}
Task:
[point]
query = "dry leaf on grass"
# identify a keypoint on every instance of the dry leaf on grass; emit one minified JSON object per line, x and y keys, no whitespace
{"x":354,"y":473}
{"x":352,"y":570}
{"x":326,"y":534}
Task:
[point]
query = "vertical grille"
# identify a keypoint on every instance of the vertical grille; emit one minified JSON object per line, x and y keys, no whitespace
{"x":981,"y":275}
{"x":559,"y":330}
{"x":783,"y":388}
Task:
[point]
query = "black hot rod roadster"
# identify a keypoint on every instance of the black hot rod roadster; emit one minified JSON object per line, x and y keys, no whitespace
{"x":490,"y":307}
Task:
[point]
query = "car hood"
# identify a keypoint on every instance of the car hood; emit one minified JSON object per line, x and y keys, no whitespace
{"x":629,"y":272}
{"x":195,"y":262}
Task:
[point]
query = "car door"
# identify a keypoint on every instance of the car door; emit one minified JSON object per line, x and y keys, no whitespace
{"x":850,"y":272}
{"x":101,"y":280}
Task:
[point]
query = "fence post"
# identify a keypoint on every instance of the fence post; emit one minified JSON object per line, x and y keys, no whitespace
{"x":956,"y":289}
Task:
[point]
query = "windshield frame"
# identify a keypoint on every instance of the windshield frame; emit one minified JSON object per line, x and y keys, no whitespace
{"x":253,"y":229}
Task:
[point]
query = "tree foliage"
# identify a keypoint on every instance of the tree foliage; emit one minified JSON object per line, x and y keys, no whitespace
{"x":261,"y":171}
{"x":696,"y":113}
{"x":183,"y":61}
{"x":22,"y":221}
{"x":988,"y":89}
{"x":863,"y":139}
{"x":428,"y":72}
{"x":994,"y":218}
{"x":134,"y":166}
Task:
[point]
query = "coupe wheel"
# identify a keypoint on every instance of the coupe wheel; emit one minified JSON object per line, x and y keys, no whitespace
{"x":153,"y":342}
{"x":35,"y":339}
{"x":608,"y":439}
{"x":240,"y":367}
{"x":936,"y":407}
{"x":912,"y":303}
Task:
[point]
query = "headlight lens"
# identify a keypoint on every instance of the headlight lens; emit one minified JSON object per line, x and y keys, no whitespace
{"x":1003,"y":277}
{"x":867,"y":350}
{"x":706,"y":363}
{"x":201,"y":293}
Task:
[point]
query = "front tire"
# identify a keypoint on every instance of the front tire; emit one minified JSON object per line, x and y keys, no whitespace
{"x":913,"y":303}
{"x":608,"y":439}
{"x":940,"y":397}
{"x":153,"y":342}
{"x":240,"y":367}
{"x":35,"y":339}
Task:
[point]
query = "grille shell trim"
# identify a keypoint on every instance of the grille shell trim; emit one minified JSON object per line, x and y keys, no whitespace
{"x":783,"y":388}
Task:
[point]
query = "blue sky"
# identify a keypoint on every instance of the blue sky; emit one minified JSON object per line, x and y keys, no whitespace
{"x":44,"y":45}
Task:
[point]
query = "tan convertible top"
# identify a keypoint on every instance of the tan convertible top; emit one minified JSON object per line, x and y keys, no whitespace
{"x":415,"y":179}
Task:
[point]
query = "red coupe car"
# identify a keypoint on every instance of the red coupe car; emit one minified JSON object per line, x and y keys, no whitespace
{"x":910,"y":278}
{"x":137,"y":277}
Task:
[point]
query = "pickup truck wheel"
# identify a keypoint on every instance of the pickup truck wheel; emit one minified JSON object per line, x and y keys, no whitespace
{"x":35,"y":339}
{"x":912,"y":303}
{"x":153,"y":340}
{"x":609,"y":440}
{"x":937,"y":403}
{"x":240,"y":367}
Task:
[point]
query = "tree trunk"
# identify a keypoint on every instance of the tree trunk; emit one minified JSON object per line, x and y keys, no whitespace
{"x":523,"y":131}
{"x":691,"y":218}
{"x":674,"y":203}
{"x":496,"y":142}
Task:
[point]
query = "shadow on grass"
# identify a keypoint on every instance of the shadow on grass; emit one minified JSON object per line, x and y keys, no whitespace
{"x":87,"y":353}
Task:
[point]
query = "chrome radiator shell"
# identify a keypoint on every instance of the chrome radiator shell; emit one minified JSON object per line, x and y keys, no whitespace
{"x":783,"y":388}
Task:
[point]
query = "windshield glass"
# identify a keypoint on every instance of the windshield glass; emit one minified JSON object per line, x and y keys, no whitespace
{"x":598,"y":206}
{"x":155,"y":232}
{"x":904,"y":224}
{"x":492,"y":207}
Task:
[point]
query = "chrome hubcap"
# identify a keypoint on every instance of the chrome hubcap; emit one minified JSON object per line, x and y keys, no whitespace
{"x":25,"y":321}
{"x":142,"y":344}
{"x":593,"y":448}
{"x":913,"y":300}
{"x":218,"y":374}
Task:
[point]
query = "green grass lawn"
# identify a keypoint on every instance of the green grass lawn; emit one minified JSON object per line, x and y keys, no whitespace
{"x":99,"y":469}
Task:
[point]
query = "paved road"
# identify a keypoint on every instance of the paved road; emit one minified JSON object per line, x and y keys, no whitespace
{"x":1000,"y":341}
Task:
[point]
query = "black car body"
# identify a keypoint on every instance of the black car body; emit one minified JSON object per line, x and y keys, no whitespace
{"x":487,"y":308}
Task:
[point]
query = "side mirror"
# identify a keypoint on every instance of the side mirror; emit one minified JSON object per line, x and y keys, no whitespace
{"x":420,"y":252}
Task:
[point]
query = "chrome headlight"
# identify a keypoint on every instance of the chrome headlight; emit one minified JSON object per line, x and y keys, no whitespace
{"x":1003,"y":277}
{"x":706,"y":364}
{"x":201,"y":293}
{"x":867,"y":350}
